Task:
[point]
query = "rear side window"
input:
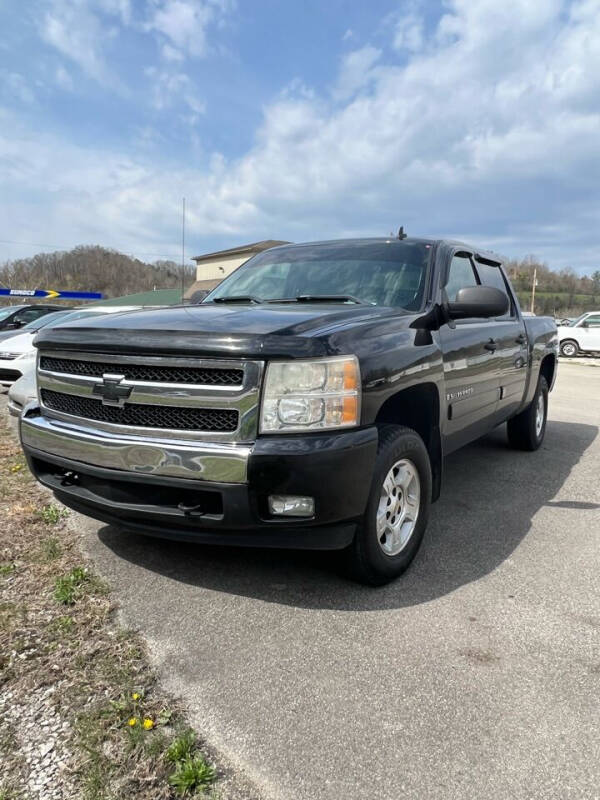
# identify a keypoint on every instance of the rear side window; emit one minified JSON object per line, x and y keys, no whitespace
{"x":460,"y":276}
{"x":492,"y":276}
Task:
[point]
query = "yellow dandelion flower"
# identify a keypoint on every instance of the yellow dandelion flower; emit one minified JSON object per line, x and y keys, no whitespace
{"x":132,"y":722}
{"x":148,"y":724}
{"x":136,"y":695}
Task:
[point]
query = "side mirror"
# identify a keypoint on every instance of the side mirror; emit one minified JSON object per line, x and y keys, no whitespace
{"x":13,"y":326}
{"x":478,"y":301}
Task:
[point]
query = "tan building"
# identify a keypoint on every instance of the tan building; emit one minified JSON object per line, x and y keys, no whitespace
{"x":211,"y":268}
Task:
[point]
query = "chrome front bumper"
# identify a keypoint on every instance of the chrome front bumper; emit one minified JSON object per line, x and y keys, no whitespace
{"x":204,"y":461}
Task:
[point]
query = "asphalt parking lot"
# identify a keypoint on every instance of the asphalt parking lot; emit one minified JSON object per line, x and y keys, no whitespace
{"x":477,"y":675}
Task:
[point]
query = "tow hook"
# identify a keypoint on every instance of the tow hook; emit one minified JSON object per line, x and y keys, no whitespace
{"x":70,"y":479}
{"x":191,"y":511}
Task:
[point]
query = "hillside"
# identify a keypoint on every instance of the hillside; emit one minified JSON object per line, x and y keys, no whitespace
{"x":95,"y":269}
{"x":560,"y":293}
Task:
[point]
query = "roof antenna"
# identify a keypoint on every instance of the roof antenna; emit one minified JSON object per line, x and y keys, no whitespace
{"x":401,"y":234}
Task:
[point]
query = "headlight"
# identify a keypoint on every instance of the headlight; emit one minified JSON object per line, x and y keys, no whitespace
{"x":311,"y":395}
{"x":29,"y":354}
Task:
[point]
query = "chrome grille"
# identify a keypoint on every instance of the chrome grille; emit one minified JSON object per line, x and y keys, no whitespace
{"x":152,"y":396}
{"x":143,"y":416}
{"x":207,"y":376}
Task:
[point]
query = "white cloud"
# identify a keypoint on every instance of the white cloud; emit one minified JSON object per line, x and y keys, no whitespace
{"x":408,"y":31}
{"x":170,"y":88}
{"x":76,"y":31}
{"x":356,"y":71}
{"x":491,"y":133}
{"x":183,"y":25}
{"x":16,"y":86}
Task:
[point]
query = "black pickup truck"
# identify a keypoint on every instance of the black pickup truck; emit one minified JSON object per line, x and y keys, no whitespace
{"x":307,"y":402}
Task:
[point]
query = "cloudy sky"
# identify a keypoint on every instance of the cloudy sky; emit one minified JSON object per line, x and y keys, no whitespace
{"x":303,"y":119}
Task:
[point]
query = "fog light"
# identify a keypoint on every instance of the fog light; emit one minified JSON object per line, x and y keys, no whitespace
{"x":289,"y":505}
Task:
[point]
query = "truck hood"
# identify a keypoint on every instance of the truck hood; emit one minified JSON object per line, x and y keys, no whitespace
{"x":286,"y":329}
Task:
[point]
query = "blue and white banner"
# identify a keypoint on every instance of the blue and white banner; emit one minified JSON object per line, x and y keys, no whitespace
{"x":50,"y":294}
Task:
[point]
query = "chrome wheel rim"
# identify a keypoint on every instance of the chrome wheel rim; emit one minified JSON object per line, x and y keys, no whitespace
{"x":539,"y":415}
{"x":568,"y":349}
{"x":398,"y":508}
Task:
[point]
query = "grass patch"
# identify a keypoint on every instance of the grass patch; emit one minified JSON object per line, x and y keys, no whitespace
{"x":52,"y":514}
{"x":69,"y":588}
{"x":7,"y":569}
{"x":63,"y":625}
{"x":191,"y":775}
{"x":182,"y":747}
{"x":50,"y":548}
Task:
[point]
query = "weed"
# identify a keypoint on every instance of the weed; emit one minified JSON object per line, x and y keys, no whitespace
{"x":7,"y":793}
{"x":192,"y":774}
{"x":70,"y":587}
{"x":7,"y":569}
{"x":52,"y":514}
{"x":51,"y":548}
{"x":182,"y":747}
{"x":63,"y":624}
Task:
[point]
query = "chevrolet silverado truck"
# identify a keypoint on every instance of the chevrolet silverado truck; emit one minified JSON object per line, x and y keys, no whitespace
{"x":307,"y":402}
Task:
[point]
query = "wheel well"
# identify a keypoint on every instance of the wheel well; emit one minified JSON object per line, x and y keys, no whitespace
{"x":547,"y":368}
{"x":419,"y":408}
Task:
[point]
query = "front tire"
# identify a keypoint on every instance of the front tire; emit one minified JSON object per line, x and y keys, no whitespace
{"x":397,"y":511}
{"x":526,"y":430}
{"x":569,"y":348}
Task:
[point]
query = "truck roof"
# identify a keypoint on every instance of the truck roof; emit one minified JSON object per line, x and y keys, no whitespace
{"x":487,"y":254}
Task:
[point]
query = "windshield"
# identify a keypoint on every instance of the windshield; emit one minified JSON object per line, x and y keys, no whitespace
{"x":46,"y":319}
{"x":388,"y":273}
{"x":575,"y":322}
{"x":6,"y":312}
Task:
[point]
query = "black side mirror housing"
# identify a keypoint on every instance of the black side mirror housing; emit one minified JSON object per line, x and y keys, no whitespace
{"x":477,"y":301}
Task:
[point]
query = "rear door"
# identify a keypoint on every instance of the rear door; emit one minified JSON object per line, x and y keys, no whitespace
{"x":471,"y":370}
{"x":509,"y":336}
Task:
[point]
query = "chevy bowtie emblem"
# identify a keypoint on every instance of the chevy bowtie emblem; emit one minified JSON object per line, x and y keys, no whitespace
{"x":111,"y":391}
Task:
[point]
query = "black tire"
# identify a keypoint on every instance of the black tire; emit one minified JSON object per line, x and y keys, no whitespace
{"x":569,"y":348}
{"x":523,"y":432}
{"x":366,"y":561}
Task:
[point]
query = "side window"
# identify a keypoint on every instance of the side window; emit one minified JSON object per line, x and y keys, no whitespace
{"x":28,"y":315}
{"x":492,"y":276}
{"x":593,"y":321}
{"x":461,"y":275}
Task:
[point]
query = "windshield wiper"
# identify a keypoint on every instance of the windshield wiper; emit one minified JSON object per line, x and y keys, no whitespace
{"x":238,"y":298}
{"x":329,"y":298}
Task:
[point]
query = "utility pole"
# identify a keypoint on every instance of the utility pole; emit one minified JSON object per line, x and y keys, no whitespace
{"x":533,"y":289}
{"x":183,"y":250}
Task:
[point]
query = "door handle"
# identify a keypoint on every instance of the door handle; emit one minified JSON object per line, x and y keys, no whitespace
{"x":521,"y":339}
{"x":492,"y":345}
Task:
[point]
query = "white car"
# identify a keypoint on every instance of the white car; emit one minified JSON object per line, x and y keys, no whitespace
{"x":581,"y":336}
{"x":22,"y":391}
{"x":18,"y":355}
